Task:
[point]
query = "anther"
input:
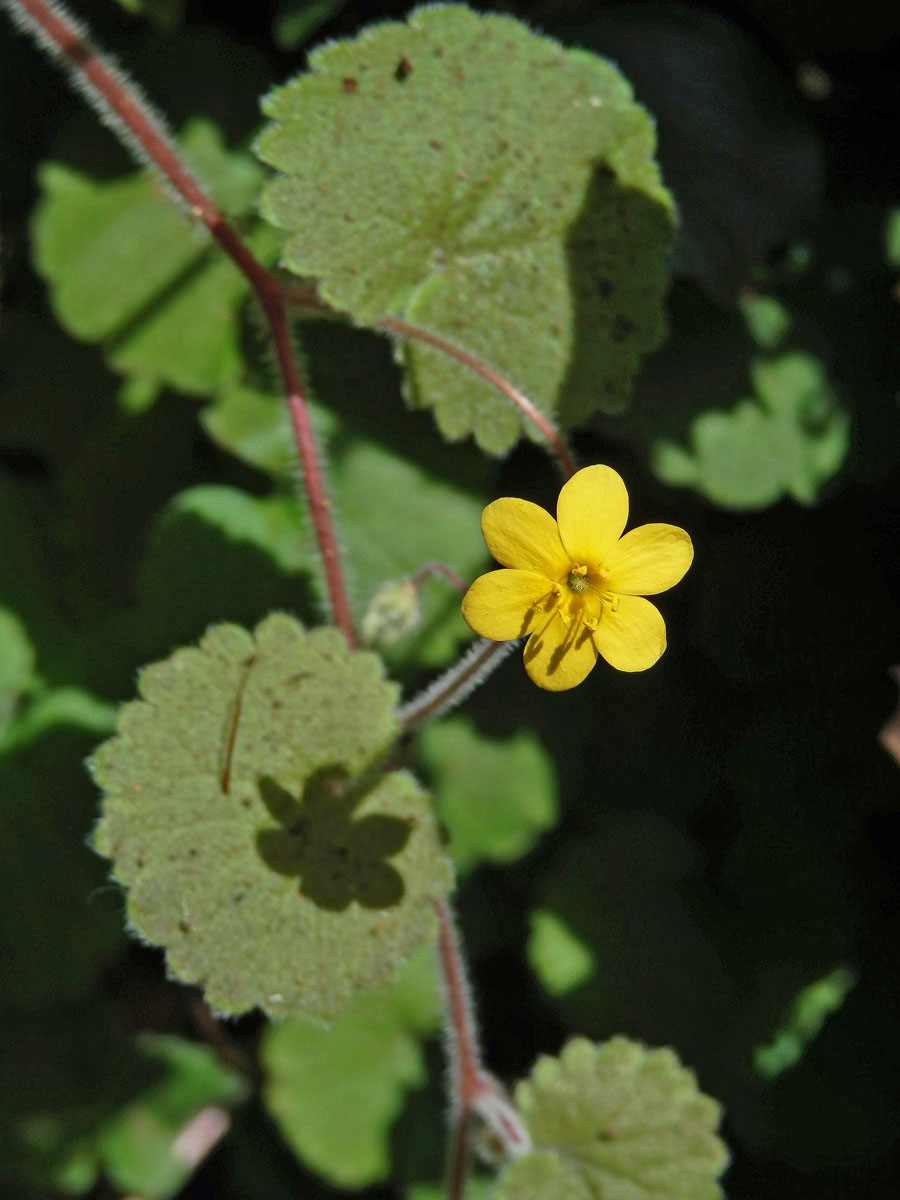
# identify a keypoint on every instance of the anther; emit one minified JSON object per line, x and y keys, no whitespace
{"x":579,"y":570}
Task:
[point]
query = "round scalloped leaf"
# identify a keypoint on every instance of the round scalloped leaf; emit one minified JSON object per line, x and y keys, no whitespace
{"x":613,"y":1122}
{"x":482,"y":181}
{"x":248,"y":812}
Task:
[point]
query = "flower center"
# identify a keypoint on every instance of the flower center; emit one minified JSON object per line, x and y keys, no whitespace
{"x":578,"y":580}
{"x":581,"y":595}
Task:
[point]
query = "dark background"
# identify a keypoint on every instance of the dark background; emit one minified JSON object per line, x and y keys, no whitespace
{"x":729,"y":820}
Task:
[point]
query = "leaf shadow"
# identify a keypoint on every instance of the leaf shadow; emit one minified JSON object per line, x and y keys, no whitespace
{"x":338,"y":858}
{"x":618,"y":274}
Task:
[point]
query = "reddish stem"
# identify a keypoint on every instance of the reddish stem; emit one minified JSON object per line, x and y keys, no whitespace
{"x":554,"y":439}
{"x":116,"y":99}
{"x":432,"y":569}
{"x":530,"y":411}
{"x":473,"y":1091}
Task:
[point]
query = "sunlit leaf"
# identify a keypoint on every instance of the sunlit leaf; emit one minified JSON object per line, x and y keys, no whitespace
{"x":487,"y":184}
{"x":559,"y":958}
{"x":16,"y":663}
{"x":260,"y":840}
{"x":613,"y":1122}
{"x":809,"y":1012}
{"x":126,"y":268}
{"x":495,"y":796}
{"x":789,"y":439}
{"x":335,"y":1091}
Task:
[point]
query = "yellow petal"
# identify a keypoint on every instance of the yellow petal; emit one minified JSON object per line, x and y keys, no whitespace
{"x":559,"y":656}
{"x":633,"y":636}
{"x":506,"y":604}
{"x":649,"y":560}
{"x":524,"y":535}
{"x":592,"y":510}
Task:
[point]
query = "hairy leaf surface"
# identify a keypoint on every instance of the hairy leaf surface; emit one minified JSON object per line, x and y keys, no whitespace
{"x":613,"y":1122}
{"x":262,"y":841}
{"x":488,"y":184}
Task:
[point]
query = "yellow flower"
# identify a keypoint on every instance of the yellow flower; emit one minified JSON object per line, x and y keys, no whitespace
{"x":575,"y":585}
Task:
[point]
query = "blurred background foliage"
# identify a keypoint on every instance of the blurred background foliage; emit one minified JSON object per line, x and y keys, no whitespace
{"x":698,"y":856}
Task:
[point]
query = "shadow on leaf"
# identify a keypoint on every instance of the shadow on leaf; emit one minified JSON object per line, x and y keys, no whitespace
{"x":618,"y":275}
{"x":337,"y":858}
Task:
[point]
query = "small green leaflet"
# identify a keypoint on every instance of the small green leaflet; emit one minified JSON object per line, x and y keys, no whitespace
{"x":126,"y":268}
{"x":263,"y":841}
{"x":615,"y":1121}
{"x":487,"y":184}
{"x":559,"y":958}
{"x":791,"y":438}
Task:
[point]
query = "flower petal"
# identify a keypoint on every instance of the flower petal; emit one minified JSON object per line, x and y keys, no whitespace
{"x":559,"y":656}
{"x":649,"y":560}
{"x":524,"y":535}
{"x":592,"y":510}
{"x":505,"y":604}
{"x":632,"y":636}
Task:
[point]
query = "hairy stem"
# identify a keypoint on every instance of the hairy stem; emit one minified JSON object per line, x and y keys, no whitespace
{"x":526,"y":407}
{"x":143,"y":133}
{"x":474,"y":1092}
{"x":451,"y":688}
{"x":434,"y":569}
{"x":306,"y":298}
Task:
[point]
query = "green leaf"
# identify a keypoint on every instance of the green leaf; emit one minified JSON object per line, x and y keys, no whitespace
{"x":789,"y":439}
{"x":476,"y":1189}
{"x":297,"y":20}
{"x":233,"y":555}
{"x":809,"y":1012}
{"x":737,"y":146}
{"x":254,"y":426}
{"x":892,"y":238}
{"x":335,"y":1092}
{"x":126,"y":268}
{"x":767,"y":319}
{"x":559,"y":958}
{"x":376,"y":490}
{"x":165,"y":14}
{"x":612,"y":1122}
{"x":496,"y":796}
{"x":16,"y":664}
{"x":485,"y":183}
{"x":140,"y":1147}
{"x":261,"y":842}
